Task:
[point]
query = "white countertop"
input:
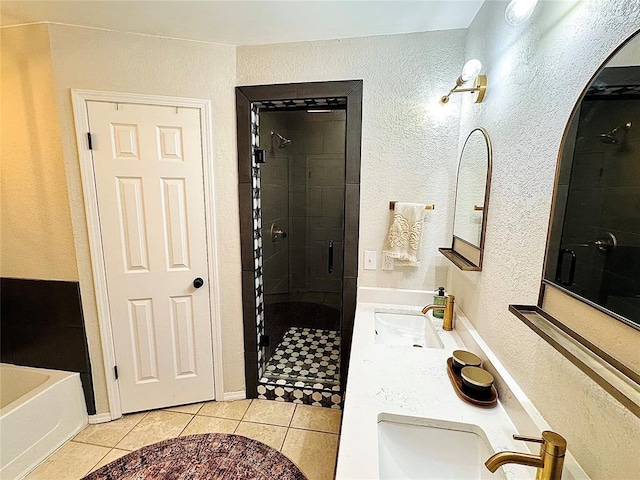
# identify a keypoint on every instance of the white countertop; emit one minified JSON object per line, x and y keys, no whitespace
{"x":408,"y":381}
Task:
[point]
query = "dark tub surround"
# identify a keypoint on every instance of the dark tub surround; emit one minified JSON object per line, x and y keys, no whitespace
{"x":43,"y":326}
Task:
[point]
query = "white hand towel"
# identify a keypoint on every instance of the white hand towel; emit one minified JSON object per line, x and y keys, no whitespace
{"x":405,"y":234}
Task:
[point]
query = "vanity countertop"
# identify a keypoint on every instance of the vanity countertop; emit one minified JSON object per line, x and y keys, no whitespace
{"x":411,"y":382}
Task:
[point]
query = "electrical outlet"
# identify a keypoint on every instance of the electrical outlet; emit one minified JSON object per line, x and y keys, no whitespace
{"x":387,"y":262}
{"x":370,"y":260}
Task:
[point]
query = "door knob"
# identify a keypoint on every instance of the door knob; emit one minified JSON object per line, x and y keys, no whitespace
{"x":198,"y":282}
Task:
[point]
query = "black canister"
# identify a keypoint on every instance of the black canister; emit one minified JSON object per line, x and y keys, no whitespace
{"x":463,"y":358}
{"x":476,"y":382}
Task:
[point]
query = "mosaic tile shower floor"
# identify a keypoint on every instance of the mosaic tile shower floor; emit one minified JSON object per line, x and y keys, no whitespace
{"x":307,"y":355}
{"x":305,"y":368}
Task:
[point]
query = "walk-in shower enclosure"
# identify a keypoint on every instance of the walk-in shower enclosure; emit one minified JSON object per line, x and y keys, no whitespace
{"x":299,"y":175}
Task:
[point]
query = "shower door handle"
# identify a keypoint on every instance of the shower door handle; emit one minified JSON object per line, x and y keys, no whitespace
{"x":572,"y":267}
{"x":330,"y":266}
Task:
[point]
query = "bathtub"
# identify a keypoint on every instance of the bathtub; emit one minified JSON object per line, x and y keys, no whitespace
{"x":39,"y":411}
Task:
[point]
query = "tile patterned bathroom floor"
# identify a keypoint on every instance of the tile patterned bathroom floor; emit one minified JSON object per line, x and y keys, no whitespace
{"x":307,"y":435}
{"x":306,"y":355}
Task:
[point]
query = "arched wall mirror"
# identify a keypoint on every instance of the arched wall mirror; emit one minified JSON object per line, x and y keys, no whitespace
{"x":472,"y":200}
{"x":589,"y":305}
{"x":594,"y":244}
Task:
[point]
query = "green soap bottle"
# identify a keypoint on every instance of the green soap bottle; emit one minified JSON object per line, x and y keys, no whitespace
{"x":439,"y":300}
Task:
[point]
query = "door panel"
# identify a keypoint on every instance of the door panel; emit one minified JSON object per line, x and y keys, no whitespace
{"x":143,"y":340}
{"x":149,"y":182}
{"x":182,"y":322}
{"x":175,"y":223}
{"x":132,"y":227}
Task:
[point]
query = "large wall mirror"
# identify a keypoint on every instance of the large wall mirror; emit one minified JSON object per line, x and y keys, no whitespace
{"x":589,"y":305}
{"x":472,"y":199}
{"x":594,"y":244}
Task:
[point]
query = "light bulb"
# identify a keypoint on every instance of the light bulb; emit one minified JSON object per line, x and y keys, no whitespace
{"x":518,"y":11}
{"x":470,"y":70}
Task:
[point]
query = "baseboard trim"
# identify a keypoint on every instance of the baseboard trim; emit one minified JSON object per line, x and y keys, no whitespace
{"x":229,"y":396}
{"x":99,"y":418}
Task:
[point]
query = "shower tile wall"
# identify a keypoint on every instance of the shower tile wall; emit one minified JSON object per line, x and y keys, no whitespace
{"x":316,"y":160}
{"x":315,"y":183}
{"x":298,"y":202}
{"x":325,"y":193}
{"x":275,"y":187}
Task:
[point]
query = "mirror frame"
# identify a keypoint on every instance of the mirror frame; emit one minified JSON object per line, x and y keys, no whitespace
{"x":557,"y":215}
{"x":554,"y":211}
{"x":462,"y":253}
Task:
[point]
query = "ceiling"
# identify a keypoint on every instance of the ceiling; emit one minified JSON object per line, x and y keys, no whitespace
{"x":243,"y":22}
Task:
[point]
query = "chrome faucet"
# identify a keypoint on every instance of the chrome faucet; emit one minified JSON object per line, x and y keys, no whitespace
{"x":447,"y":321}
{"x":549,"y":462}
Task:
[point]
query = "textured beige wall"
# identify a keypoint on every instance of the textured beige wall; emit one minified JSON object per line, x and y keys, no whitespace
{"x":409,"y":141}
{"x":37,"y":236}
{"x":119,"y":62}
{"x":536,"y":73}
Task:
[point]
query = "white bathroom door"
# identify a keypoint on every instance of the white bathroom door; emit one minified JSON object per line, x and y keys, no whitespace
{"x":149,"y":182}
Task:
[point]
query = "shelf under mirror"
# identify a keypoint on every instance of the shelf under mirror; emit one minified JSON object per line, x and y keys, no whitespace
{"x":612,"y":375}
{"x":458,"y":260}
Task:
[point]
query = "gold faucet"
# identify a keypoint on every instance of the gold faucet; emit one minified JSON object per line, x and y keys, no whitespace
{"x":549,"y":462}
{"x":447,"y":321}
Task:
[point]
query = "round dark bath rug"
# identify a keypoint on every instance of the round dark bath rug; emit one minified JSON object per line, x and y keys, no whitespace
{"x":213,"y":456}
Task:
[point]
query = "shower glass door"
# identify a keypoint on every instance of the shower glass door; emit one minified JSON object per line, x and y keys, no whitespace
{"x":302,"y":201}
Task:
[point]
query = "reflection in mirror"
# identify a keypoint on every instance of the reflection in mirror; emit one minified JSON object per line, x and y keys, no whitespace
{"x":472,"y":198}
{"x":594,"y":243}
{"x":472,"y":178}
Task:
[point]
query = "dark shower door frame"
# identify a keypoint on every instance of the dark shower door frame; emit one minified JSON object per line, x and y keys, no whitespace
{"x":351,"y":90}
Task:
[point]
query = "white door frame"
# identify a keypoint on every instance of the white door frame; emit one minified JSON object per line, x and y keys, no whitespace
{"x":79,"y":99}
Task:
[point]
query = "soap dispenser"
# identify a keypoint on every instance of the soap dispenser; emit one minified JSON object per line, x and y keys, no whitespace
{"x":439,"y":300}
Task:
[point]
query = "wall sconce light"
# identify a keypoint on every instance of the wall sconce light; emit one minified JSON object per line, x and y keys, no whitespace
{"x":470,"y":71}
{"x":518,"y":11}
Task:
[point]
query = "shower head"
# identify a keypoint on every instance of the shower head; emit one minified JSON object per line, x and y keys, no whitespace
{"x":612,"y":137}
{"x":284,"y":142}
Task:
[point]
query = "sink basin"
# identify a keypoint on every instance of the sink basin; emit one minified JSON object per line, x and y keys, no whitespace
{"x":420,"y":448}
{"x":406,"y":329}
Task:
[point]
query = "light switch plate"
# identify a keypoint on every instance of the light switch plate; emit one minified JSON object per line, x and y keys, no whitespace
{"x":370,"y":260}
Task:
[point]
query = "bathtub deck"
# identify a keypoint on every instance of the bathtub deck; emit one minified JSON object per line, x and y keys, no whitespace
{"x":43,"y":410}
